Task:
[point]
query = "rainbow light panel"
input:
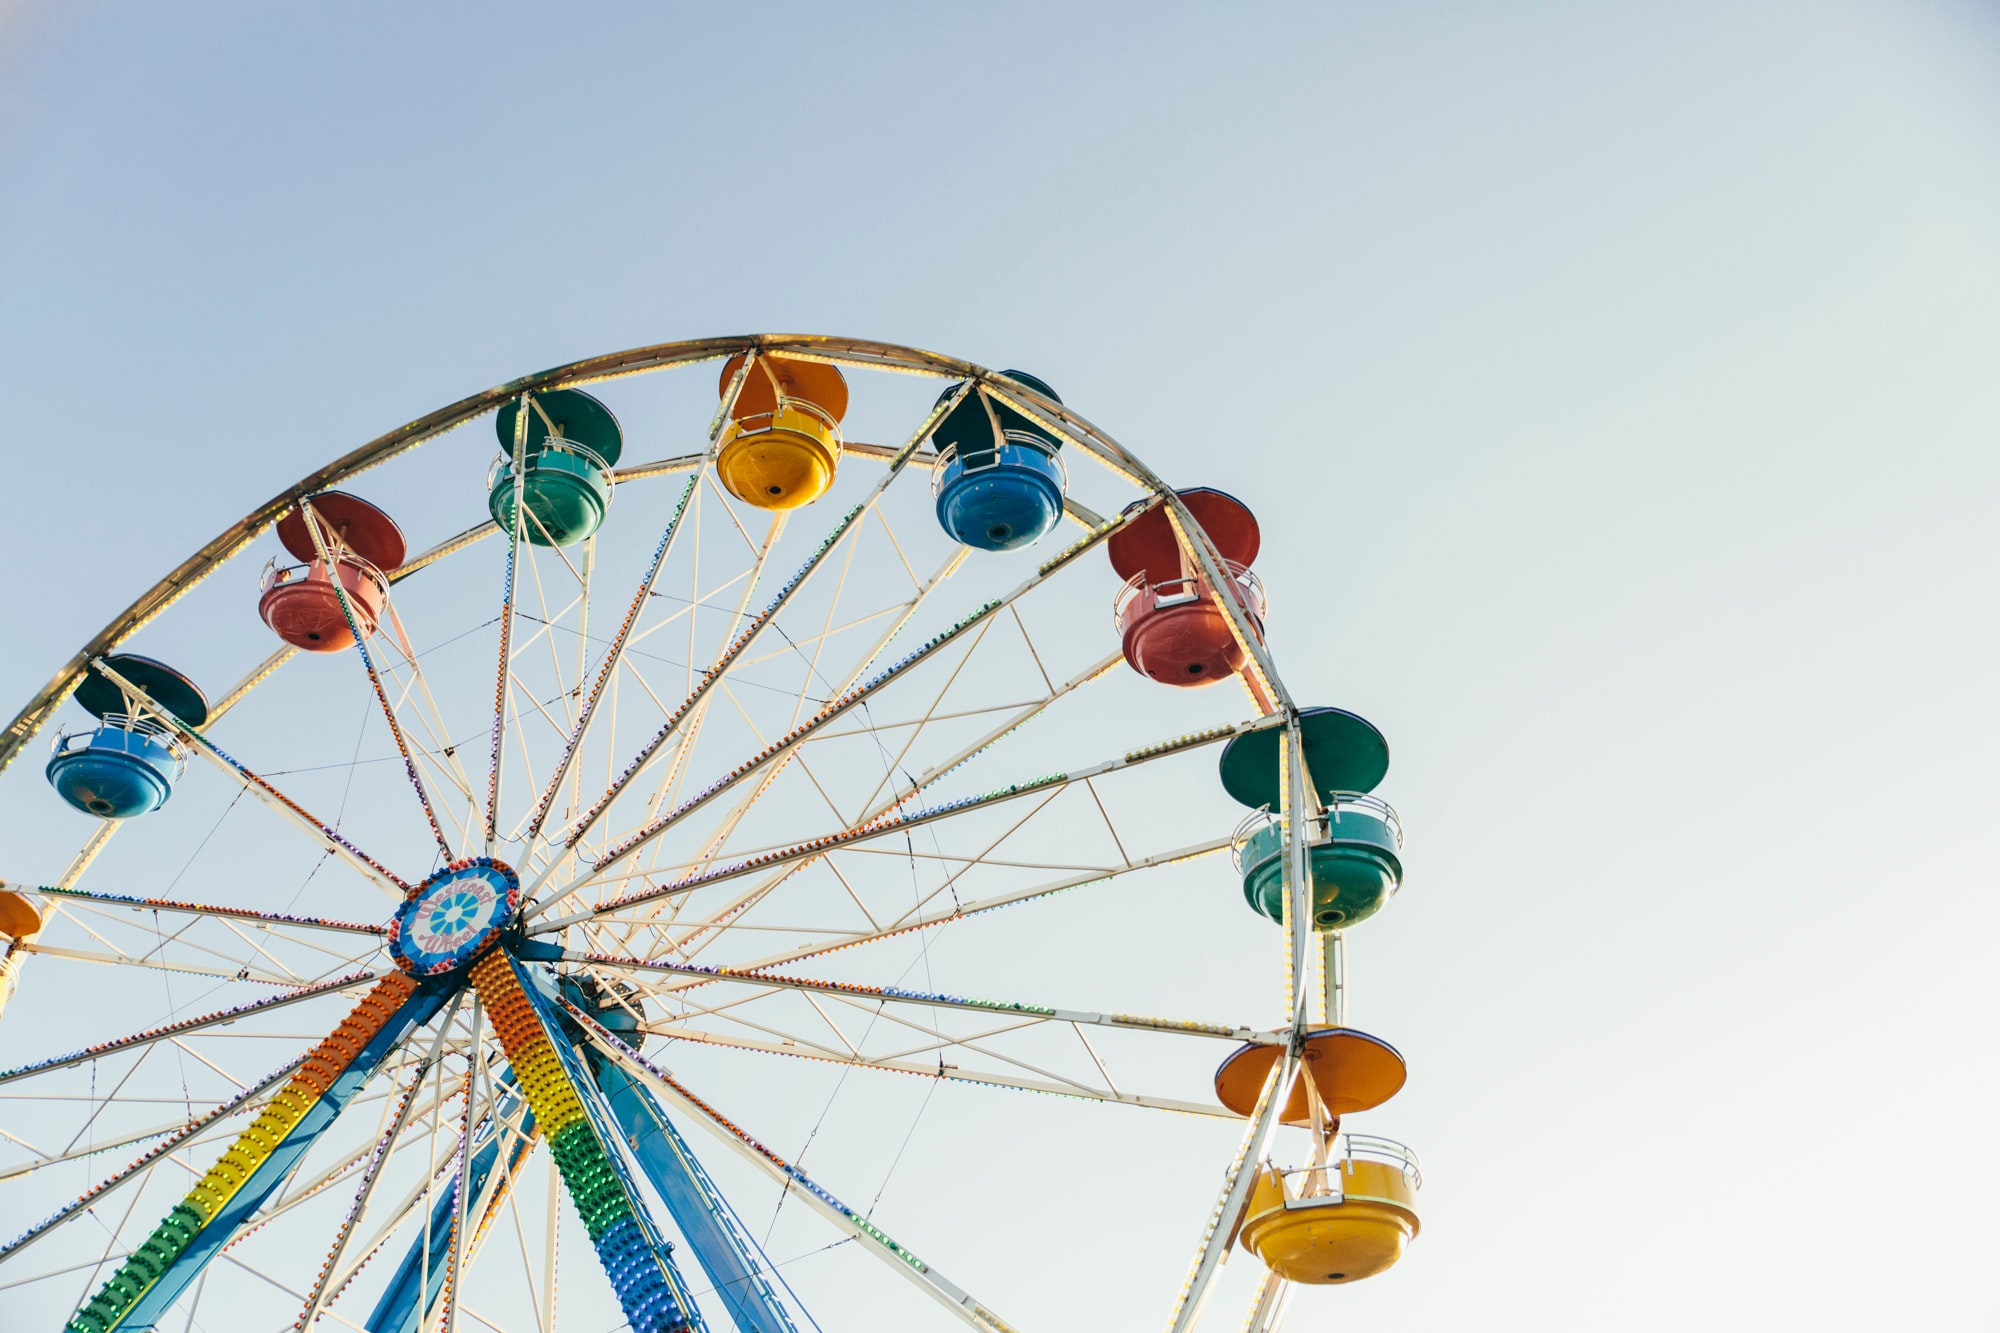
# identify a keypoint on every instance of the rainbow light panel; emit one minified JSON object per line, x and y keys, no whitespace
{"x":213,"y":1194}
{"x":649,"y":1289}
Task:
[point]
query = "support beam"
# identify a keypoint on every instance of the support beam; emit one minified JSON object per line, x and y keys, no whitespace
{"x":224,"y":1200}
{"x":636,"y":1259}
{"x":735,"y":1269}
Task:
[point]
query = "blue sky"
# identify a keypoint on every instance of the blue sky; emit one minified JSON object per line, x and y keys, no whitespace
{"x":1614,"y":385}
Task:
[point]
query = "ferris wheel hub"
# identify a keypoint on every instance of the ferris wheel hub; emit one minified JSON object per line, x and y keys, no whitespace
{"x":453,"y":917}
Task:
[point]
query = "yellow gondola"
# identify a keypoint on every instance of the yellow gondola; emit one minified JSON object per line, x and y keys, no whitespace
{"x":782,"y":445}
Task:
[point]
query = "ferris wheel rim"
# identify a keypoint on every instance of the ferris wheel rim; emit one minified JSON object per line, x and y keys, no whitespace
{"x":645,"y":359}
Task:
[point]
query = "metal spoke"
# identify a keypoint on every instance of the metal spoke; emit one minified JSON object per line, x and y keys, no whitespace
{"x":123,"y":960}
{"x":1025,"y":714}
{"x":322,"y":1290}
{"x":913,"y":918}
{"x":840,"y":706}
{"x":1234,"y":1032}
{"x":505,"y":669}
{"x":445,"y":758}
{"x":1220,"y":1234}
{"x":744,"y":640}
{"x":75,"y":914}
{"x":324,"y":834}
{"x":188,"y":1025}
{"x":880,"y":828}
{"x":454,"y":1274}
{"x":209,"y":910}
{"x":151,"y":1158}
{"x":794,"y":1047}
{"x":903,"y":612}
{"x":616,"y":651}
{"x":326,"y":557}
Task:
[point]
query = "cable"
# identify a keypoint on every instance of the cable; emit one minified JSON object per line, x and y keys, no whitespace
{"x":897,"y":1160}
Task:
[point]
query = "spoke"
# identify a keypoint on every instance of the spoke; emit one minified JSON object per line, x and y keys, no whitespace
{"x":501,"y":691}
{"x":693,"y":718}
{"x":1267,"y":1307}
{"x":817,"y":847}
{"x":152,"y":1157}
{"x":419,"y":1195}
{"x":1234,"y":1032}
{"x":327,"y":560}
{"x":226,"y":1199}
{"x":932,"y":1047}
{"x":155,"y":953}
{"x":742,"y":643}
{"x":795,"y":1182}
{"x":185,"y":1026}
{"x":903,"y":614}
{"x":88,"y":1150}
{"x":278,"y":919}
{"x":1220,"y":1234}
{"x":616,"y":651}
{"x":323,"y":1290}
{"x":127,"y":960}
{"x":797,"y":1048}
{"x":292,"y":1292}
{"x":1025,"y":714}
{"x":372,"y":870}
{"x":446,"y":758}
{"x":840,"y":706}
{"x":461,"y":1211}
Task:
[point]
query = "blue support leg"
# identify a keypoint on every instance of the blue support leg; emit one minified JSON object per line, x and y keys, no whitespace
{"x":697,"y":1206}
{"x":224,"y":1200}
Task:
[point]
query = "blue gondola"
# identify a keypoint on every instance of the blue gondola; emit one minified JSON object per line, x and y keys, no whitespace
{"x":128,"y":764}
{"x":999,"y":481}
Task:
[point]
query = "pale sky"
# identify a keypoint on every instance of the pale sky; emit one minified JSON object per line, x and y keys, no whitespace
{"x":1614,"y":385}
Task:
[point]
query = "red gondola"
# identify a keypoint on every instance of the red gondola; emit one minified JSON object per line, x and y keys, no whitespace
{"x":1172,"y":628}
{"x":299,"y":601}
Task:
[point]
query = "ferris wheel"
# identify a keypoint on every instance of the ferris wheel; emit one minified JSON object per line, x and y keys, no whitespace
{"x":675,"y":755}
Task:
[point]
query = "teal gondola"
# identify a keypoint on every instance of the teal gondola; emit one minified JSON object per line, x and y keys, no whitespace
{"x":572,"y":444}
